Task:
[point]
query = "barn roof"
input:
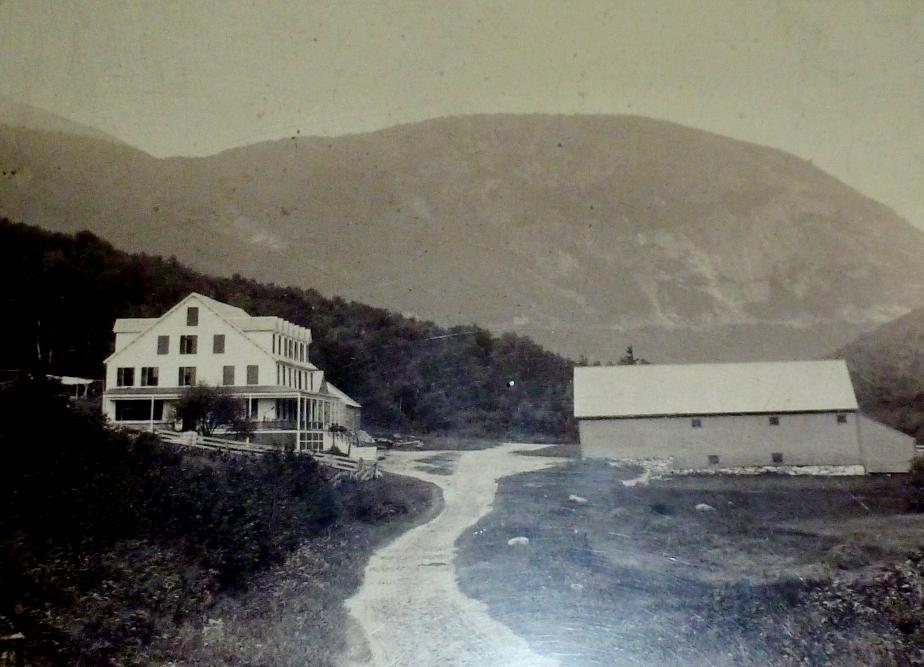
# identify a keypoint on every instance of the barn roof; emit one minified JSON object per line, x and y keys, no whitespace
{"x":704,"y":389}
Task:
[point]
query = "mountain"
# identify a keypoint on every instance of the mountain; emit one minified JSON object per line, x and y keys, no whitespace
{"x":15,"y":114}
{"x":887,"y":367}
{"x":586,"y":233}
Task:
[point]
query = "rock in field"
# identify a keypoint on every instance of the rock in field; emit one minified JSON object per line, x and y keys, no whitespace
{"x":577,"y":499}
{"x":703,"y":507}
{"x":518,"y":541}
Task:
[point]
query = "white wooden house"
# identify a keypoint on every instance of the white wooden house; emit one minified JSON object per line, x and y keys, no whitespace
{"x":262,"y":360}
{"x":797,"y":413}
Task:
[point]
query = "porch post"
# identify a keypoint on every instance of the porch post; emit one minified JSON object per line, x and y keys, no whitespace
{"x":151,"y":426}
{"x":298,"y":425}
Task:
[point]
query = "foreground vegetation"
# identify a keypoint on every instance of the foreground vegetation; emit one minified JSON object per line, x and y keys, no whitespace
{"x":62,"y":293}
{"x":116,"y":549}
{"x":780,"y":570}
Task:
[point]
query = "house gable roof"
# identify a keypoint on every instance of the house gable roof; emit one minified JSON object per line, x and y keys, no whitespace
{"x":704,"y":389}
{"x":331,"y":389}
{"x":143,"y":325}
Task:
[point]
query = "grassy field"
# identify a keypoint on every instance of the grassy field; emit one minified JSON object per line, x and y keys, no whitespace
{"x":120,"y":549}
{"x":780,"y":571}
{"x":149,"y":601}
{"x":293,"y":613}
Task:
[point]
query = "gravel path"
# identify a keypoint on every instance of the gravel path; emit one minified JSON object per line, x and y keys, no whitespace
{"x":409,"y":609}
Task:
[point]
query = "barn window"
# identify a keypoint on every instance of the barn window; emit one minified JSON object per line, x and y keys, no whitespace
{"x":218,"y":344}
{"x":774,"y":421}
{"x":776,"y":457}
{"x":696,"y":422}
{"x":192,"y":317}
{"x":163,"y":344}
{"x":227,"y":375}
{"x":253,"y":375}
{"x":842,"y":419}
{"x":713,"y":459}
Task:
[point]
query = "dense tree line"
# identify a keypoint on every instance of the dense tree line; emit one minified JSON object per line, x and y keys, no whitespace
{"x":63,"y":292}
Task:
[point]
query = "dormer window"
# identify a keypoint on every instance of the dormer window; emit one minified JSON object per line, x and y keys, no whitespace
{"x":192,"y":316}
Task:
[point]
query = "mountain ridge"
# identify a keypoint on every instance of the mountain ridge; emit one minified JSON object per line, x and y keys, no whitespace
{"x":587,"y":233}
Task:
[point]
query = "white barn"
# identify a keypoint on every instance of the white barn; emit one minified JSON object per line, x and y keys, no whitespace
{"x":262,"y":360}
{"x":799,"y":413}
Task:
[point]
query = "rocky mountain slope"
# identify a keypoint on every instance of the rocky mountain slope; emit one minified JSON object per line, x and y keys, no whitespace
{"x":586,"y":233}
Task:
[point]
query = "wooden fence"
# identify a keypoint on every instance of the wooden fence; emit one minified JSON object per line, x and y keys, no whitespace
{"x":342,"y":467}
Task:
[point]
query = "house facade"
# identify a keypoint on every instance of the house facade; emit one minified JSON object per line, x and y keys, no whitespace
{"x":263,"y":361}
{"x":713,"y":416}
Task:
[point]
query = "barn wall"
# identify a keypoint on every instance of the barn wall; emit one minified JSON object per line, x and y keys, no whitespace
{"x":738,"y":440}
{"x":884,"y":448}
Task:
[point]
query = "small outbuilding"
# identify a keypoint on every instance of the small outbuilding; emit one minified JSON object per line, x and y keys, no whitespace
{"x":730,"y":415}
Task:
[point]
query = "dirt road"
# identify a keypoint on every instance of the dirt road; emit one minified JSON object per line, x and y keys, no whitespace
{"x":409,"y":609}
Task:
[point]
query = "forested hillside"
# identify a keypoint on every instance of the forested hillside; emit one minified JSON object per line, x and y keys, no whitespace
{"x":887,"y":367}
{"x":63,"y":292}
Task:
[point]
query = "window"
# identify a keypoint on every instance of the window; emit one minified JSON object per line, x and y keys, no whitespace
{"x":696,"y":422}
{"x":138,"y":411}
{"x":774,"y":421}
{"x":842,"y":419}
{"x":776,"y":457}
{"x":149,"y":376}
{"x":218,"y":344}
{"x":163,"y":344}
{"x":188,"y":344}
{"x":227,"y":375}
{"x":254,"y":407}
{"x":253,"y":375}
{"x":125,"y":377}
{"x":713,"y":459}
{"x":192,"y":317}
{"x":186,"y":376}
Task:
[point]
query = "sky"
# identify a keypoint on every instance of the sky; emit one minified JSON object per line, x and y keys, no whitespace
{"x":840,"y":83}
